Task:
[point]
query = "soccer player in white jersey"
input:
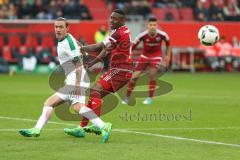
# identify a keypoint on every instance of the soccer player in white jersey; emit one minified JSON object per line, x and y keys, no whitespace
{"x":71,"y":61}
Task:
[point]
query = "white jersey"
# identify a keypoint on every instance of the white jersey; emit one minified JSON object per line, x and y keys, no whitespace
{"x":68,"y":50}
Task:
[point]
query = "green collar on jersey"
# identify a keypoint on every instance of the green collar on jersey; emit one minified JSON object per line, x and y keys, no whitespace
{"x":64,"y":38}
{"x":70,"y":42}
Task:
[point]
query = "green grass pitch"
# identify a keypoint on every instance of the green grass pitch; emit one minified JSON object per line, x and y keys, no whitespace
{"x":210,"y":132}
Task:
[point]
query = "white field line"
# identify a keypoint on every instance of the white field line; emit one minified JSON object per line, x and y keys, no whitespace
{"x":128,"y":131}
{"x":16,"y":130}
{"x":32,"y":120}
{"x":203,"y":96}
{"x":180,"y":138}
{"x":178,"y":128}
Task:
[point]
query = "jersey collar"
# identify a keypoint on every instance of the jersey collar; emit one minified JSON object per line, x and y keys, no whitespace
{"x":63,"y":38}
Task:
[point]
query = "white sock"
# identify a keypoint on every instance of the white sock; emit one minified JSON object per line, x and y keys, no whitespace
{"x":89,"y":114}
{"x":43,"y":119}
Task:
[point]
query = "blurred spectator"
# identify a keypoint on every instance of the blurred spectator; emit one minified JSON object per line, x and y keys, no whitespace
{"x":188,"y":3}
{"x":231,"y":11}
{"x":25,"y":10}
{"x":169,"y":17}
{"x":37,"y":8}
{"x":236,"y":53}
{"x":4,"y":11}
{"x":4,"y":67}
{"x":138,"y":8}
{"x":68,"y":9}
{"x":236,"y":63}
{"x":211,"y":57}
{"x":235,"y":42}
{"x":52,"y":9}
{"x":99,"y":36}
{"x":132,"y":8}
{"x":41,"y":11}
{"x":82,"y":11}
{"x":120,"y":4}
{"x":44,"y":9}
{"x":224,"y":47}
{"x":12,"y":12}
{"x":215,"y":11}
{"x":29,"y":61}
{"x":168,"y":3}
{"x":144,"y":9}
{"x":200,"y":11}
{"x":16,"y":55}
{"x":45,"y":55}
{"x":224,"y":50}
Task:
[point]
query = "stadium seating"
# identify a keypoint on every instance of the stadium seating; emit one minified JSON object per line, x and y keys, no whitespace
{"x":161,"y":13}
{"x":186,"y":14}
{"x":23,"y":50}
{"x":98,"y":9}
{"x":1,"y":41}
{"x":6,"y":53}
{"x":14,"y":40}
{"x":100,"y":14}
{"x":47,"y":41}
{"x":31,"y":40}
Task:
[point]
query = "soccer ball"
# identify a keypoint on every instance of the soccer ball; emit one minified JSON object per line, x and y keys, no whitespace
{"x":208,"y":35}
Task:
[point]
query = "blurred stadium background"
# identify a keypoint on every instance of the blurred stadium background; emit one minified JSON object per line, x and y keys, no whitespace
{"x":27,"y":34}
{"x":28,"y":54}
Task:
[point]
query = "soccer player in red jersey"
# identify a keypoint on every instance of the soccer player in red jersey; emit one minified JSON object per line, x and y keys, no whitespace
{"x":120,"y":72}
{"x":151,"y":57}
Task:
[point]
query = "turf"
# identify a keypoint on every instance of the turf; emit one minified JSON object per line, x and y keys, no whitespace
{"x":205,"y":107}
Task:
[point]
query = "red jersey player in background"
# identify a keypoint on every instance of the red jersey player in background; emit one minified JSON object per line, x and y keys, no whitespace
{"x":120,"y":72}
{"x":151,"y":57}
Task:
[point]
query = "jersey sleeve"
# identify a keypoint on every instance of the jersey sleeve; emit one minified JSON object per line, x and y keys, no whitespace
{"x":112,"y":39}
{"x":166,"y":38}
{"x":137,"y":40}
{"x":73,"y":50}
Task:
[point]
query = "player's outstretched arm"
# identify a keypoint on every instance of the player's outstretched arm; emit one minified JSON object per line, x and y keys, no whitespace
{"x":81,"y":45}
{"x":92,"y":48}
{"x":102,"y":54}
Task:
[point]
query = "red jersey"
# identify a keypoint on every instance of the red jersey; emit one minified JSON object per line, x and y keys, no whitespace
{"x":118,"y":42}
{"x":152,"y":46}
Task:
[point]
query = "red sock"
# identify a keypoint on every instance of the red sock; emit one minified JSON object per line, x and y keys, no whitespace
{"x":131,"y":86}
{"x":152,"y":87}
{"x":95,"y":104}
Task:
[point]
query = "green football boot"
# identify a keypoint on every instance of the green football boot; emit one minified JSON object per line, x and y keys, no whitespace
{"x":33,"y":132}
{"x":148,"y":101}
{"x":106,"y":132}
{"x":92,"y":129}
{"x":76,"y":132}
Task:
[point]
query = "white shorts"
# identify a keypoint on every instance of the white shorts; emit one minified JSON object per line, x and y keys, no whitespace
{"x":66,"y":93}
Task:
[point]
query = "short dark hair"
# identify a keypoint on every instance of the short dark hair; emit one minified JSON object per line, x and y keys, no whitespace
{"x":152,"y":19}
{"x":119,"y":11}
{"x":62,"y":19}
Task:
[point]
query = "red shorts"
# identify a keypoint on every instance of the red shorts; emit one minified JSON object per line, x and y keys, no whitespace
{"x":114,"y":79}
{"x":146,"y":62}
